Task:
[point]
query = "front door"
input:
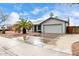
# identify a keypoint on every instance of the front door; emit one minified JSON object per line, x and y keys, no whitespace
{"x":35,"y":28}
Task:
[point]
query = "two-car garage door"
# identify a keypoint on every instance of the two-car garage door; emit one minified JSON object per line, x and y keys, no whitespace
{"x":54,"y":28}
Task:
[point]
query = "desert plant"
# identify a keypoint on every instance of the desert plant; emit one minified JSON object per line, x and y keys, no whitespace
{"x":29,"y":25}
{"x":23,"y":24}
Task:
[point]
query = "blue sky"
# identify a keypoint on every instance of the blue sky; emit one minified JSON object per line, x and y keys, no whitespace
{"x":39,"y":11}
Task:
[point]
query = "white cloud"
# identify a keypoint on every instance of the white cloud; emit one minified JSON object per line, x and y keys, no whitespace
{"x":45,"y":9}
{"x":13,"y":18}
{"x":45,"y":16}
{"x":75,"y":13}
{"x":17,"y":7}
{"x":55,"y":13}
{"x":36,"y":11}
{"x":71,"y":22}
{"x":74,"y":22}
{"x":24,"y":13}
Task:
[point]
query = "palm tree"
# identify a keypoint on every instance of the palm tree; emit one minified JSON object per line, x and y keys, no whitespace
{"x":29,"y":25}
{"x":23,"y":24}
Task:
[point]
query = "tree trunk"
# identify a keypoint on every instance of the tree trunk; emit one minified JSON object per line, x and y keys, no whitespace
{"x":24,"y":31}
{"x":19,"y":31}
{"x":3,"y":31}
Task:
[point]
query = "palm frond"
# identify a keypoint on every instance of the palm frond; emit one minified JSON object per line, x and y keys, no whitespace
{"x":23,"y":24}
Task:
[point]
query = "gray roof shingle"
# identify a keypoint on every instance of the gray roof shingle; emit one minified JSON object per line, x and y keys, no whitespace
{"x":43,"y":20}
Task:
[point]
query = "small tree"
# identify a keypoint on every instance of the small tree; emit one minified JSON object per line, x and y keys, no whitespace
{"x":3,"y":18}
{"x":23,"y":24}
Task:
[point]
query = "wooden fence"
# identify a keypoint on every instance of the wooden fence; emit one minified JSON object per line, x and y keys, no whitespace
{"x":72,"y":29}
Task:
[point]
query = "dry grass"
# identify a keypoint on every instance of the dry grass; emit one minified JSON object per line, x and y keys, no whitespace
{"x":11,"y":34}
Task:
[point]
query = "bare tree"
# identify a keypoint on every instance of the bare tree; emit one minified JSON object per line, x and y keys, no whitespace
{"x":3,"y":18}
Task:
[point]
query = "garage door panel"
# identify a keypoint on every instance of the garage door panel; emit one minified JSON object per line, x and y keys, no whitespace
{"x":52,"y":29}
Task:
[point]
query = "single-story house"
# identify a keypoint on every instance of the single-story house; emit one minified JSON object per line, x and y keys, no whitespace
{"x":50,"y":25}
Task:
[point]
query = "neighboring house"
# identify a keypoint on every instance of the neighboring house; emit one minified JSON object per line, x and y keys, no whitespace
{"x":50,"y":25}
{"x":4,"y":26}
{"x":7,"y":27}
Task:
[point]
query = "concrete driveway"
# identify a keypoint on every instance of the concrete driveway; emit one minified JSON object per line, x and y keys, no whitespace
{"x":19,"y":47}
{"x":63,"y":43}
